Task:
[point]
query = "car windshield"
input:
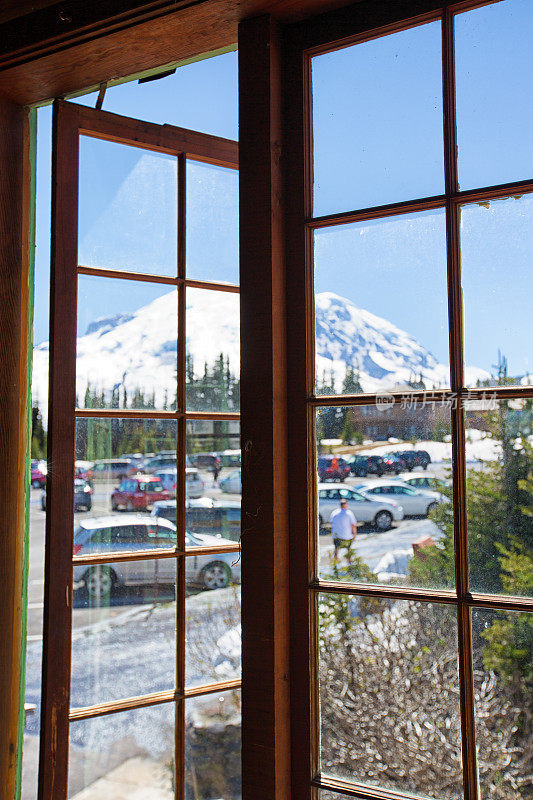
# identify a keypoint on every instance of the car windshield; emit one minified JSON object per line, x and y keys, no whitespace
{"x":151,"y":486}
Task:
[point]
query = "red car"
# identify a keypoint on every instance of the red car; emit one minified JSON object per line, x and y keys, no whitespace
{"x":332,"y":468}
{"x":38,"y":474}
{"x":138,"y":493}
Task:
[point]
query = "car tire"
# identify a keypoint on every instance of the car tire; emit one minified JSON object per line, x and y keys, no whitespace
{"x":114,"y":506}
{"x":99,"y":582}
{"x":342,"y":479}
{"x":216,"y":575}
{"x":424,"y":466}
{"x":89,"y":505}
{"x":383,"y":520}
{"x":431,"y":507}
{"x":43,"y":504}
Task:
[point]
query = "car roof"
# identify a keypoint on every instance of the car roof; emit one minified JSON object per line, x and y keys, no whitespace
{"x":339,"y":485}
{"x":383,"y":482}
{"x":123,"y":519}
{"x":407,"y":475}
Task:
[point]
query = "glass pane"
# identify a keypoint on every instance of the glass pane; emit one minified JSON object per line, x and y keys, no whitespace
{"x":124,"y":638}
{"x":503,"y":651}
{"x":116,"y":465}
{"x":377,"y":121}
{"x":126,"y":351}
{"x":130,"y":754}
{"x":496,"y":246}
{"x":213,"y":619}
{"x":212,"y":223}
{"x":213,"y":350}
{"x":213,"y":747}
{"x":499,"y":496}
{"x":389,"y":694}
{"x":384,"y":475}
{"x":127,"y":208}
{"x":213,"y":459}
{"x":494,"y":75}
{"x":381,"y":317}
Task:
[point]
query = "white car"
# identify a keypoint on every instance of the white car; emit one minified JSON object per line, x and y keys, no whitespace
{"x":231,"y":483}
{"x":416,"y":502}
{"x":379,"y":512}
{"x":427,"y":481}
{"x":194,"y":485}
{"x":127,"y":532}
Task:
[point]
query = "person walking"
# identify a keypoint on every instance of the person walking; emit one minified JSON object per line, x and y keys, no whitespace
{"x":343,"y":530}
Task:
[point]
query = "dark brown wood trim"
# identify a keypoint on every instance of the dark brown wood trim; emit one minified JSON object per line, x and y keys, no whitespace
{"x":149,"y":136}
{"x":154,"y":555}
{"x":15,"y":336}
{"x":108,"y":272}
{"x":154,"y":699}
{"x":264,"y":539}
{"x":359,"y":790}
{"x":57,"y":622}
{"x":378,"y":212}
{"x":141,"y":413}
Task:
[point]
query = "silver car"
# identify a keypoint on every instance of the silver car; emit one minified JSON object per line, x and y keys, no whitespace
{"x":381,"y":513}
{"x":416,"y":502}
{"x":194,"y":485}
{"x":134,"y":532}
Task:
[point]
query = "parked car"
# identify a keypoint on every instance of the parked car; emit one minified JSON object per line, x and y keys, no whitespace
{"x":38,"y":472}
{"x":82,"y":469}
{"x":413,"y":501}
{"x":376,"y":466}
{"x":160,"y":461}
{"x":426,"y":481}
{"x":332,"y":468}
{"x":358,"y":465}
{"x":111,"y":469}
{"x":137,"y":533}
{"x":137,"y":460}
{"x":82,"y":496}
{"x":414,"y":458}
{"x":393,"y":462}
{"x":381,"y":513}
{"x":231,"y":483}
{"x":194,"y":485}
{"x":230,"y":458}
{"x":209,"y":461}
{"x":139,"y":492}
{"x":220,"y":518}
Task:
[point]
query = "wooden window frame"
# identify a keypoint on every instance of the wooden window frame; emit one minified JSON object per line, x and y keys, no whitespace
{"x":361,"y":23}
{"x":70,"y":121}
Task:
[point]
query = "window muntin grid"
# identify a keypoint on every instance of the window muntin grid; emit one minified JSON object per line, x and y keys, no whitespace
{"x":456,"y":398}
{"x":70,"y":123}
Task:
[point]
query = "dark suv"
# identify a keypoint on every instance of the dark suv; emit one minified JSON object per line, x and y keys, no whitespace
{"x":394,"y":462}
{"x":209,"y":461}
{"x":332,"y":468}
{"x":415,"y":458}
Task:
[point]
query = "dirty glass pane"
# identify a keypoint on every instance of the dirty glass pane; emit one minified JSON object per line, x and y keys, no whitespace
{"x":213,"y":747}
{"x":381,"y":314}
{"x":494,"y":79}
{"x":130,"y":754}
{"x":503,"y":654}
{"x":499,"y":496}
{"x":377,"y":121}
{"x":391,"y":468}
{"x":126,"y":351}
{"x":212,"y":223}
{"x":212,"y":370}
{"x":127,"y":208}
{"x":496,"y":246}
{"x":212,"y":619}
{"x":389,"y":689}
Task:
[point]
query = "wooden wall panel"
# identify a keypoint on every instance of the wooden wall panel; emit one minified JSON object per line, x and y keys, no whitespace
{"x":14,"y":325}
{"x":265,"y":532}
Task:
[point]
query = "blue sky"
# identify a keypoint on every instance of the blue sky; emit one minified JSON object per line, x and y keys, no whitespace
{"x":378,"y":139}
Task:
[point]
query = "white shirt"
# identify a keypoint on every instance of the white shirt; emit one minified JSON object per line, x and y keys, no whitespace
{"x":342,"y":520}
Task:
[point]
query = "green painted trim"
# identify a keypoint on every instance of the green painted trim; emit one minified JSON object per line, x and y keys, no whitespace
{"x":148,"y":73}
{"x":32,"y":155}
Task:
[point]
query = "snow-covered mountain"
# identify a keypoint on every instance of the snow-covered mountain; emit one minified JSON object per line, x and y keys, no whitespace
{"x":139,"y":349}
